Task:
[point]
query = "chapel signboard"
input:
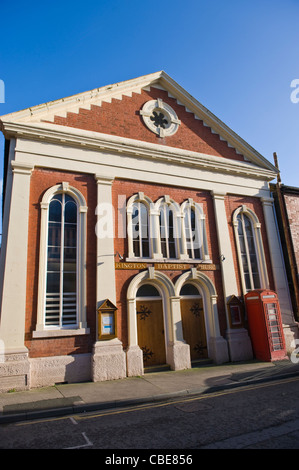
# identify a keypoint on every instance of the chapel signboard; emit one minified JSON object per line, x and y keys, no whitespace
{"x":167,"y":266}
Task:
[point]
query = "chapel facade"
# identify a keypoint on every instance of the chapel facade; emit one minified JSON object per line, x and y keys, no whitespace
{"x":133,"y":218}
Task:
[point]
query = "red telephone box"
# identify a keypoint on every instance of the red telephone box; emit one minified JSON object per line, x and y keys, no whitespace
{"x":265,"y":325}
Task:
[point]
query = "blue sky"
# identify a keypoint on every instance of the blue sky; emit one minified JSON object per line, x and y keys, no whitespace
{"x":237,"y":57}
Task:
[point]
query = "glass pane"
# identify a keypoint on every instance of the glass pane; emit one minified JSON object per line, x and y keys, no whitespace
{"x":172,"y":253}
{"x":189,"y":289}
{"x":70,"y":211}
{"x":55,"y":209}
{"x":53,"y":258}
{"x":136,"y":248}
{"x":70,"y":259}
{"x":70,"y":235}
{"x":240,"y":226}
{"x":53,"y":282}
{"x":145,"y":248}
{"x":256,"y":281}
{"x":69,"y":282}
{"x":247,"y":281}
{"x":54,"y":234}
{"x":147,"y":290}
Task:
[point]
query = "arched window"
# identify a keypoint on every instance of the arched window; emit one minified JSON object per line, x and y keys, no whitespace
{"x":62,"y":264}
{"x":61,"y":272}
{"x":139,"y":229}
{"x":250,"y":250}
{"x":194,"y":231}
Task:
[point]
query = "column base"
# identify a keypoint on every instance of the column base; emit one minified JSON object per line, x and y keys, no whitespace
{"x":239,"y":343}
{"x":135,"y":365}
{"x":218,"y":350}
{"x":14,"y":370}
{"x":178,"y":355}
{"x":108,"y":360}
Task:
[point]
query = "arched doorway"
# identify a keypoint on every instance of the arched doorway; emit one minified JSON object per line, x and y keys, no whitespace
{"x":150,"y":325}
{"x":193,"y":321}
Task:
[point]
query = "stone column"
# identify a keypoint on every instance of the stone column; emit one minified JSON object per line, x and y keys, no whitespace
{"x":14,"y":362}
{"x":238,"y":340}
{"x":108,"y":358}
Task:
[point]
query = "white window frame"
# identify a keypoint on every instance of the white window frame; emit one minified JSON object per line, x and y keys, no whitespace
{"x":200,"y":230}
{"x":41,"y":329}
{"x":162,"y":204}
{"x":259,"y":249}
{"x":148,"y":203}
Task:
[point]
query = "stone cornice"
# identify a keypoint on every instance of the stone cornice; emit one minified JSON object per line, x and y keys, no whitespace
{"x":68,"y":136}
{"x":61,"y":107}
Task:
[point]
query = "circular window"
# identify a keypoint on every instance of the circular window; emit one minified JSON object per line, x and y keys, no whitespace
{"x":160,"y":118}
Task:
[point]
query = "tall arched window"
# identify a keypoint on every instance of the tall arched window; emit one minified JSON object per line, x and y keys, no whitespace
{"x":250,"y":250}
{"x":61,"y":282}
{"x":194,"y":231}
{"x":140,"y":238}
{"x":61,"y":301}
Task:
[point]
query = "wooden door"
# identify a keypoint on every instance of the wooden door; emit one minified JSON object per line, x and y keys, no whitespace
{"x":150,"y":330}
{"x":194,"y":330}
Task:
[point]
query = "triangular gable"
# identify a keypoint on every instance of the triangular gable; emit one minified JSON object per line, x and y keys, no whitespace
{"x":203,"y":132}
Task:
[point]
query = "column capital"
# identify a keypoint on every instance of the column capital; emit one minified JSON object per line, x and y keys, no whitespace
{"x":267,"y":201}
{"x":102,"y":179}
{"x":21,"y":168}
{"x":218,"y":194}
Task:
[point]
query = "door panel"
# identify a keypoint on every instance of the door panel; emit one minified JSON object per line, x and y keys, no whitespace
{"x":150,"y":330}
{"x":194,"y":330}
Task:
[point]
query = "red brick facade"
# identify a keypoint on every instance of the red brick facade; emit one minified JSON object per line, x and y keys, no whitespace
{"x":42,"y":179}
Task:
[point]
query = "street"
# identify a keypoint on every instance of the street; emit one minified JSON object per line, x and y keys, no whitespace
{"x":264,"y":416}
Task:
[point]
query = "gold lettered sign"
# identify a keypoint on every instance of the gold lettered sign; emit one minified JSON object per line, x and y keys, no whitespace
{"x":131,"y":265}
{"x":171,"y":266}
{"x":207,"y":267}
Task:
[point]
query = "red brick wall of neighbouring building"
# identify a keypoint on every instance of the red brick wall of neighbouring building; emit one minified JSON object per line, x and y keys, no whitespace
{"x":292,"y":207}
{"x":41,"y":180}
{"x":122,"y":118}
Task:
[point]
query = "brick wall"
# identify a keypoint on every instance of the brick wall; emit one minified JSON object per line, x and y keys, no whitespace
{"x":292,"y":207}
{"x":154,"y":191}
{"x":42,"y":179}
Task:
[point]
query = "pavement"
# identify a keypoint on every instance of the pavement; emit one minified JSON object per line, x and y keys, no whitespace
{"x":153,"y":386}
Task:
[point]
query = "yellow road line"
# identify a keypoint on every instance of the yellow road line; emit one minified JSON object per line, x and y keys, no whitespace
{"x":82,"y":417}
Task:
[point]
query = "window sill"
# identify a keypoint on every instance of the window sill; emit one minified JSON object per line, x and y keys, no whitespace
{"x":60,"y":332}
{"x":168,"y":260}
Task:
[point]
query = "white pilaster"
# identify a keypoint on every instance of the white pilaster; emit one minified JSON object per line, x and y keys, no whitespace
{"x":12,"y":326}
{"x":105,"y":241}
{"x":108,"y":357}
{"x":278,"y":267}
{"x":14,"y":362}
